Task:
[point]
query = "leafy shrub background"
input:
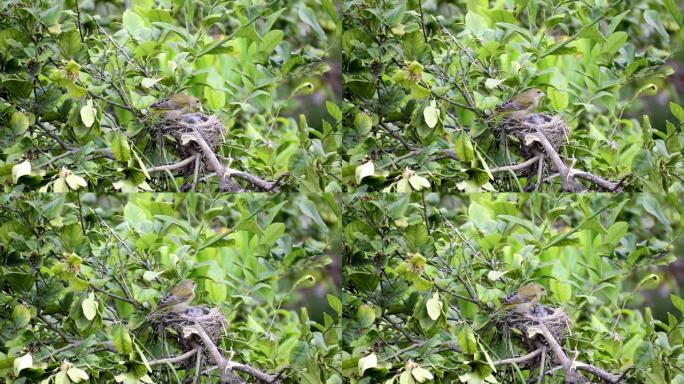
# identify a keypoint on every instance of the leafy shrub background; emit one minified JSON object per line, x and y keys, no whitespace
{"x":121,"y":253}
{"x":421,"y":76}
{"x":76,"y":78}
{"x":460,"y":255}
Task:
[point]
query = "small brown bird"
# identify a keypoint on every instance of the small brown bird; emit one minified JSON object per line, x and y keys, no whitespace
{"x":520,"y":106}
{"x":178,"y":298}
{"x":176,"y":106}
{"x":525,"y":298}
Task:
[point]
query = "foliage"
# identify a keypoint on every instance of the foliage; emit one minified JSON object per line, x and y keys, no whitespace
{"x":76,"y":80}
{"x":79,"y":274}
{"x":423,"y":77}
{"x":424,"y":274}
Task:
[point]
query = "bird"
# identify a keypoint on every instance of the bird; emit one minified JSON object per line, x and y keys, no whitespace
{"x":176,"y":106}
{"x":178,"y":298}
{"x":525,"y":298}
{"x":521,"y":105}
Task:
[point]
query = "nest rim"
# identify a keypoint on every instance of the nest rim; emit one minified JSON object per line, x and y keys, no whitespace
{"x":553,"y":127}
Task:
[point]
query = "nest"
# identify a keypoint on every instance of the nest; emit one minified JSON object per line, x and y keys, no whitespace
{"x":184,"y":128}
{"x":211,"y":319}
{"x":553,"y":127}
{"x":555,"y":319}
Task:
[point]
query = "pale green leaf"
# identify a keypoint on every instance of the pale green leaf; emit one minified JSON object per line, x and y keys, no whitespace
{"x":370,"y":361}
{"x":22,"y":362}
{"x":88,"y":114}
{"x":89,"y":306}
{"x":434,"y":306}
{"x":21,"y":169}
{"x":364,"y":170}
{"x":431,"y":114}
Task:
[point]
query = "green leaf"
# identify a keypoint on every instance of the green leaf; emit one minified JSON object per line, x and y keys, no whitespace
{"x":559,"y":100}
{"x":272,"y":233}
{"x":19,"y":123}
{"x":464,"y":147}
{"x":300,"y":354}
{"x":21,"y":315}
{"x":308,"y":16}
{"x":493,"y":83}
{"x":122,"y":339}
{"x":418,"y":183}
{"x":364,"y":170}
{"x":677,"y":111}
{"x":434,"y":306}
{"x":370,"y":361}
{"x":362,"y":123}
{"x":334,"y":111}
{"x":77,"y":375}
{"x":614,"y":42}
{"x":21,"y":169}
{"x":652,"y":206}
{"x":88,"y":114}
{"x":652,"y":18}
{"x":421,"y":374}
{"x":616,"y":232}
{"x":467,"y":341}
{"x":475,"y":23}
{"x":134,"y":24}
{"x":89,"y":306}
{"x":309,"y":209}
{"x":335,"y":303}
{"x":22,"y":362}
{"x":365,"y":315}
{"x":672,"y":6}
{"x":431,"y":114}
{"x":149,"y":83}
{"x":678,"y":303}
{"x":271,"y":40}
{"x":75,"y":182}
{"x":120,"y":148}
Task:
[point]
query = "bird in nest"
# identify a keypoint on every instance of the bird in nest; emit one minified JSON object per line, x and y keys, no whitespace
{"x":177,"y":299}
{"x":176,"y":106}
{"x":525,"y":298}
{"x":520,"y":106}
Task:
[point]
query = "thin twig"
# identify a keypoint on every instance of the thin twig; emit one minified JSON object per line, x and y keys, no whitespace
{"x":175,"y":359}
{"x":171,"y":167}
{"x":516,"y":167}
{"x":519,"y":359}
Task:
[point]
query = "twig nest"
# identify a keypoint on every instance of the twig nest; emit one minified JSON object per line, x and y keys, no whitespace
{"x":555,"y":319}
{"x":525,"y":131}
{"x":184,"y":128}
{"x":211,"y":319}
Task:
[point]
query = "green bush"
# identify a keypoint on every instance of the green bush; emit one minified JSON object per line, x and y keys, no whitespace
{"x":422,"y":79}
{"x":80,"y":274}
{"x":425,"y":275}
{"x":77,"y":79}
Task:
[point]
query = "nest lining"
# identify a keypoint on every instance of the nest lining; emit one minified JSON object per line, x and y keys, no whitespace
{"x":184,"y":128}
{"x":553,"y":127}
{"x":210,"y":319}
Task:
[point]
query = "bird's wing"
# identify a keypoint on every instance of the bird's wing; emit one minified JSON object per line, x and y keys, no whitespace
{"x":510,"y":106}
{"x":168,"y":300}
{"x":513,"y":299}
{"x":164,"y":104}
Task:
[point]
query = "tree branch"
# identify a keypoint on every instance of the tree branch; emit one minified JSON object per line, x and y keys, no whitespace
{"x":171,"y":167}
{"x":175,"y":359}
{"x":225,"y":365}
{"x":519,"y":359}
{"x":517,"y":167}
